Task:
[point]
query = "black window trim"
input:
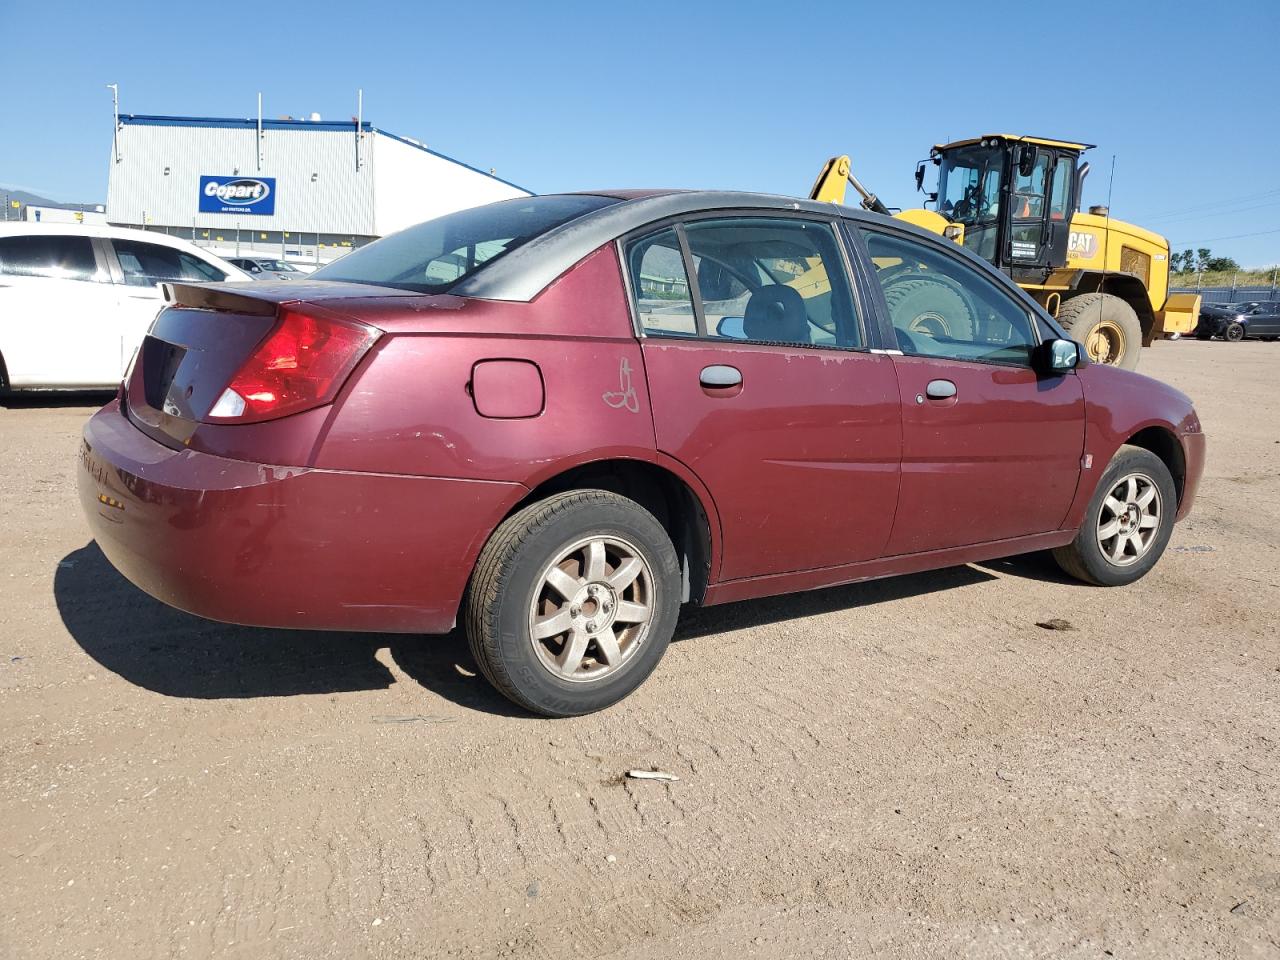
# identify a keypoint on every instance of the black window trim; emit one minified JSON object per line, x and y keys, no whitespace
{"x":861,"y":306}
{"x":948,"y":248}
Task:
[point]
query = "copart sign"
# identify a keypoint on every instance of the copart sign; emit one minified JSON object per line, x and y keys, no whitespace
{"x":239,"y":195}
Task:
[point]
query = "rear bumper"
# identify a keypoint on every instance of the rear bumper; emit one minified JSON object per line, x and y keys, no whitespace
{"x":283,"y":546}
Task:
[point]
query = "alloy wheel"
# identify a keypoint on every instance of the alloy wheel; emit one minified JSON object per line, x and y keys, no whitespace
{"x":1129,"y":519}
{"x":591,"y":608}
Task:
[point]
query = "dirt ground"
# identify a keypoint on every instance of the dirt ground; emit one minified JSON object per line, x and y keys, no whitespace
{"x":909,"y":768}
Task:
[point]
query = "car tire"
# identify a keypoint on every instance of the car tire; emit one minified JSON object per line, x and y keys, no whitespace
{"x":1135,"y":486}
{"x":624,"y":604}
{"x":1105,"y":326}
{"x":1234,"y":332}
{"x":928,"y":306}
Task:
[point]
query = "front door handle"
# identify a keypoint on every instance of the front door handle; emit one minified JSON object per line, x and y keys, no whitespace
{"x":720,"y":376}
{"x":940,"y":390}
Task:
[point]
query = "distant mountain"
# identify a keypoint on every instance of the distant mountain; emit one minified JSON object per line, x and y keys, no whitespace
{"x":25,"y":198}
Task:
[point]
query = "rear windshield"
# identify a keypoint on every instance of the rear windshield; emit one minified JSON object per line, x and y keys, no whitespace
{"x":433,"y":256}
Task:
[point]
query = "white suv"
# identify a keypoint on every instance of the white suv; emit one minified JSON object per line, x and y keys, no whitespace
{"x":75,"y":301}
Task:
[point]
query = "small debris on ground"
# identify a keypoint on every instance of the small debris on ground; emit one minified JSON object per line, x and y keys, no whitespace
{"x":1194,"y":548}
{"x":652,"y":775}
{"x":1057,"y":623}
{"x":1240,"y":907}
{"x":418,"y":718}
{"x":1001,"y":775}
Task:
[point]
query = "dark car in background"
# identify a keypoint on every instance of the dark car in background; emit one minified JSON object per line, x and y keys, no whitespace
{"x":556,"y":419}
{"x":1235,"y":321}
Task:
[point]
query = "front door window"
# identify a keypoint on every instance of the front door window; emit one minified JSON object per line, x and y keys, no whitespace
{"x":941,"y":307}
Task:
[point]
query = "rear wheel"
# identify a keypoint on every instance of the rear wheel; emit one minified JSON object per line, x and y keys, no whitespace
{"x":1234,"y":332}
{"x":573,"y":602}
{"x":1106,"y":325}
{"x":1128,"y":523}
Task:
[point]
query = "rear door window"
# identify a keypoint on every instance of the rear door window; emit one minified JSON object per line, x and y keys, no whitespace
{"x":661,"y":286}
{"x":40,"y":255}
{"x":146,"y":264}
{"x":761,"y":279}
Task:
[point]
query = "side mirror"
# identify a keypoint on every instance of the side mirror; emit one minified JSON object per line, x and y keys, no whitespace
{"x":1057,"y":356}
{"x":1026,"y":161}
{"x":920,"y":176}
{"x":732,"y":328}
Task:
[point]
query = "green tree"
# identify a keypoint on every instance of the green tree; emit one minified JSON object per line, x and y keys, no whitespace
{"x":1202,"y":258}
{"x":1188,"y":260}
{"x":1221,"y":264}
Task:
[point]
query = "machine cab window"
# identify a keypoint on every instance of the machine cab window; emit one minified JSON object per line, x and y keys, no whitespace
{"x":969,"y":193}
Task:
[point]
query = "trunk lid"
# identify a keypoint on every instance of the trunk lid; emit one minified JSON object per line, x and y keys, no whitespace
{"x":198,"y":343}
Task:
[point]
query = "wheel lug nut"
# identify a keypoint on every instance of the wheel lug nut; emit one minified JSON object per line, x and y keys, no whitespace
{"x":591,"y":625}
{"x":575,"y":610}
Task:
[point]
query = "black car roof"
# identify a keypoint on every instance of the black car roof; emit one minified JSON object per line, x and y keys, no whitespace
{"x":525,"y":271}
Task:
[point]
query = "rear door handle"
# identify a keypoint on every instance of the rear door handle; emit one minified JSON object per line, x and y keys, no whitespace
{"x":721,"y":376}
{"x":940,"y":390}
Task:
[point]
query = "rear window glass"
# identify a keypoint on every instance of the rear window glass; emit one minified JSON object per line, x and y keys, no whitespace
{"x":433,"y":256}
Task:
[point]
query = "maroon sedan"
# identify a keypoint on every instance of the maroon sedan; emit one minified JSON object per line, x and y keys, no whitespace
{"x":562,"y":417}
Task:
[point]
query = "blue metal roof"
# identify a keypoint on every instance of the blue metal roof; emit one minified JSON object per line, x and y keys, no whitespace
{"x":251,"y":123}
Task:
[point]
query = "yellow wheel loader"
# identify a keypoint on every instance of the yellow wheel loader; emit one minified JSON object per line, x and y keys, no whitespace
{"x":1014,"y":201}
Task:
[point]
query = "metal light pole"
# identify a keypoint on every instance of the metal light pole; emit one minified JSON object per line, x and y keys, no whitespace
{"x":115,"y":127}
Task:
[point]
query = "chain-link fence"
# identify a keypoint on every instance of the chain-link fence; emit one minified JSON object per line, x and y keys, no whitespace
{"x":1232,"y":294}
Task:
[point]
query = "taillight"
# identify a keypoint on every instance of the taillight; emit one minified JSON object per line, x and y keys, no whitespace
{"x":301,"y":364}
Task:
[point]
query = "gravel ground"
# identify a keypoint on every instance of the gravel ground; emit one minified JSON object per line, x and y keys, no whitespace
{"x":909,"y":768}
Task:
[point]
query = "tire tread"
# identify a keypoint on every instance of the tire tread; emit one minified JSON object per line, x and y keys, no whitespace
{"x":493,"y":570}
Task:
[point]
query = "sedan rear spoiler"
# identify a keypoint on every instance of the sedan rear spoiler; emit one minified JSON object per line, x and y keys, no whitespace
{"x":211,"y":296}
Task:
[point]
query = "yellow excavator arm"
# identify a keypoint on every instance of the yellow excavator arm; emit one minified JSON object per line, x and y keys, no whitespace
{"x":832,"y":182}
{"x":836,"y":177}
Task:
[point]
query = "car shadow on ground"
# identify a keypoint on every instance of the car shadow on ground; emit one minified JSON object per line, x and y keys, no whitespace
{"x":177,"y":654}
{"x":52,"y":400}
{"x":1032,"y":566}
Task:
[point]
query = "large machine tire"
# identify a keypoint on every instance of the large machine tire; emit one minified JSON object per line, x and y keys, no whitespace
{"x":1105,"y":326}
{"x":928,"y":306}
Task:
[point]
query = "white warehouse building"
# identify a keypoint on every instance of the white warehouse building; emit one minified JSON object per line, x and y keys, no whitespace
{"x":296,"y":189}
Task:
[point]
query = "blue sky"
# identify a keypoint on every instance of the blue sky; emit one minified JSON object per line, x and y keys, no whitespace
{"x":739,"y":95}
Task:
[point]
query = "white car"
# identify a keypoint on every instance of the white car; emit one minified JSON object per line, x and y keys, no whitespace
{"x":75,"y":300}
{"x":267,"y":268}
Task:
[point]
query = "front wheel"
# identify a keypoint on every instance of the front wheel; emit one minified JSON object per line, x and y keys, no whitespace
{"x":1234,"y":332}
{"x":573,"y":602}
{"x":1128,"y":523}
